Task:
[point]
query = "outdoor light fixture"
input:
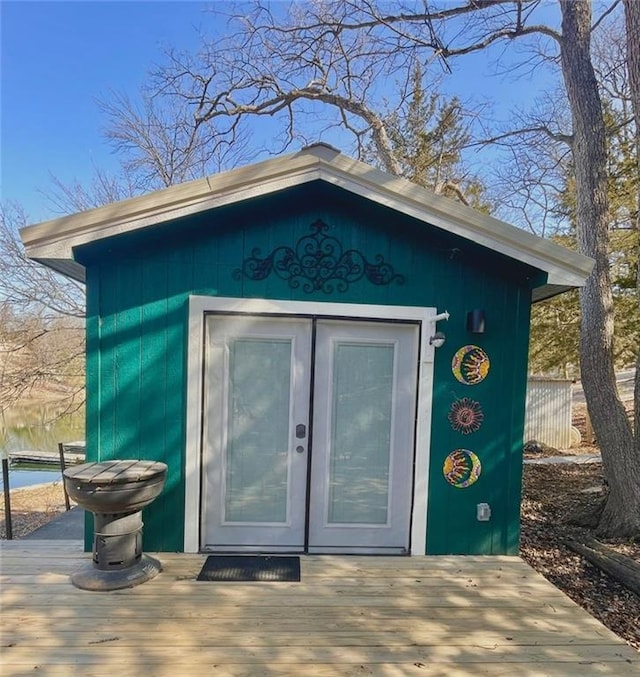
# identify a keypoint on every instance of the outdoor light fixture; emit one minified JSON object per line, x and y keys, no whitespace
{"x":475,"y":321}
{"x":437,"y":340}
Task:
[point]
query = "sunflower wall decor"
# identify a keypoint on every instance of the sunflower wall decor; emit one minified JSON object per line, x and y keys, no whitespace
{"x":470,"y":365}
{"x":461,"y":468}
{"x":466,"y":415}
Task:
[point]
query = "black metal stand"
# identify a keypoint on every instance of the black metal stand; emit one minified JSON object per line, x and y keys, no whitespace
{"x":7,"y":499}
{"x":63,"y":467}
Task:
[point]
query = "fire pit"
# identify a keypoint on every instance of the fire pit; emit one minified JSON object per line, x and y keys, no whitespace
{"x":115,"y":492}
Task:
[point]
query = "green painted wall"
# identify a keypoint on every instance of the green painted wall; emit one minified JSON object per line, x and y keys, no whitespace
{"x":138,"y":288}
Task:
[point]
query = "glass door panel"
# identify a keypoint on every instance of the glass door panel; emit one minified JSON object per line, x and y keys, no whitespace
{"x":257,"y":450}
{"x":362,"y":400}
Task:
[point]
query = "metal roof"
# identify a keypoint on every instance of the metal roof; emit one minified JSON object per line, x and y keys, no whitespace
{"x":52,"y":242}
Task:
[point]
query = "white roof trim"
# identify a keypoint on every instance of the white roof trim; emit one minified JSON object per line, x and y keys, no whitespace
{"x":52,"y":242}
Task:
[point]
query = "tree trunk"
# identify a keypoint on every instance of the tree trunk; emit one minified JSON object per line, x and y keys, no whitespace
{"x":632,"y":19}
{"x":621,"y":514}
{"x":620,"y":567}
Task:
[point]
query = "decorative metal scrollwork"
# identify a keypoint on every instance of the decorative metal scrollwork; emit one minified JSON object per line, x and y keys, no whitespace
{"x":318,"y":263}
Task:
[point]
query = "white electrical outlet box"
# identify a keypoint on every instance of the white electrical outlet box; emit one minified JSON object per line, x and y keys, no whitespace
{"x":483,"y":512}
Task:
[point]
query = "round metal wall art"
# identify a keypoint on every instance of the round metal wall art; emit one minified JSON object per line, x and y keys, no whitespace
{"x":470,"y":365}
{"x":466,"y":415}
{"x":461,"y":468}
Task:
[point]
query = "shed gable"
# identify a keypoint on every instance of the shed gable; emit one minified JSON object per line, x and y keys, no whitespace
{"x":53,"y":242}
{"x":317,"y":237}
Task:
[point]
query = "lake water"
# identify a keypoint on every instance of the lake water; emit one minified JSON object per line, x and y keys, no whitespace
{"x":29,"y":478}
{"x":37,"y":428}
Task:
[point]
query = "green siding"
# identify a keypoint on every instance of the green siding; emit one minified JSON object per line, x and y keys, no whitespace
{"x":452,"y":525}
{"x":138,"y":289}
{"x":93,"y":381}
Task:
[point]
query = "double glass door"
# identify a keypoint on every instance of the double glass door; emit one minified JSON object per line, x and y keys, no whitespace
{"x":308,"y":434}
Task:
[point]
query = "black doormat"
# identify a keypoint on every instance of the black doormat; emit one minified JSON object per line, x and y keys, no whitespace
{"x":243,"y":568}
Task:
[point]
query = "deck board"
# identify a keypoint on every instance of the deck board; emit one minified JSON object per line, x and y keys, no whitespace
{"x":349,"y":616}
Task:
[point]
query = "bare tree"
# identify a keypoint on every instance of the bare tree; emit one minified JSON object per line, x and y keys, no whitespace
{"x":334,"y":55}
{"x":540,"y":185}
{"x":621,"y":512}
{"x":323,"y":56}
{"x":104,"y":188}
{"x":42,"y":328}
{"x":632,"y":18}
{"x":159,"y":144}
{"x":427,"y":135}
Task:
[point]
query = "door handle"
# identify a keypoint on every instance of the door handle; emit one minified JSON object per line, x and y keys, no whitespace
{"x":301,"y":431}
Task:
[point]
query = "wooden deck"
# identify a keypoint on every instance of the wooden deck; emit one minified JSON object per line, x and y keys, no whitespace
{"x":349,"y":616}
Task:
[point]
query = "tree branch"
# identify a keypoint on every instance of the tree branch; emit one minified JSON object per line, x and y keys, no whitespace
{"x":540,"y":129}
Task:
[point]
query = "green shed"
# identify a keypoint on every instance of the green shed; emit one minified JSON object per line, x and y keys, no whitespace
{"x":329,"y":359}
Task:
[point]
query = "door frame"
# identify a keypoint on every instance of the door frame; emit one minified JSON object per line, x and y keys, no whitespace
{"x":200,"y":306}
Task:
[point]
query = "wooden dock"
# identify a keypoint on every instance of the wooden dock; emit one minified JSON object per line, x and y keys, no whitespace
{"x":349,"y":616}
{"x":19,"y":458}
{"x":74,"y":452}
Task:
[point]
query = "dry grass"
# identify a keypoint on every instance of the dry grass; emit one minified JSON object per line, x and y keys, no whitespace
{"x":32,"y":507}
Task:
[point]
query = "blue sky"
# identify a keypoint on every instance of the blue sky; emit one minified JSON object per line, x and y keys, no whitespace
{"x":58,"y":58}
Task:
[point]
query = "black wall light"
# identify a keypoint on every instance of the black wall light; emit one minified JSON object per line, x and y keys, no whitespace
{"x":475,"y":321}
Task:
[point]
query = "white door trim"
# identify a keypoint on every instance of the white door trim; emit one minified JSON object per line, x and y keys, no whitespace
{"x":199,"y":305}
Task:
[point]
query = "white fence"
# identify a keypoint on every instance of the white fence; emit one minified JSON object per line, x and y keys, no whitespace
{"x":548,"y":412}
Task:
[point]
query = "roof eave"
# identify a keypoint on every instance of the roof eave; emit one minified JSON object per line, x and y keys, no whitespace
{"x":173,"y":202}
{"x":71,"y":269}
{"x":52,"y":242}
{"x":548,"y":291}
{"x":564,"y":267}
